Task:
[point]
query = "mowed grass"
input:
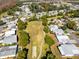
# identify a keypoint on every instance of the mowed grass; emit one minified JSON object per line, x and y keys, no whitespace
{"x":36,"y":33}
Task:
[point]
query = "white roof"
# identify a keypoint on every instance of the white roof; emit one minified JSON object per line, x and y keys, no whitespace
{"x":9,"y":51}
{"x":9,"y":33}
{"x":23,"y":19}
{"x":10,"y":26}
{"x":10,"y":39}
{"x":69,"y":50}
{"x":53,"y":27}
{"x":17,"y":12}
{"x":63,"y":39}
{"x":59,"y":32}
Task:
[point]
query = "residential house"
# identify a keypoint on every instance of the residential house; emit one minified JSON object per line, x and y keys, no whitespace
{"x":53,"y":27}
{"x":69,"y":50}
{"x":63,"y":39}
{"x":10,"y":40}
{"x":8,"y":51}
{"x":9,"y":33}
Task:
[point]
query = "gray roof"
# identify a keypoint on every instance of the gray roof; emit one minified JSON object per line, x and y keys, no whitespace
{"x":69,"y":50}
{"x":63,"y":39}
{"x":7,"y":51}
{"x":10,"y":39}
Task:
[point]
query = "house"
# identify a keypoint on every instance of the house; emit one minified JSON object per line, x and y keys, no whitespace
{"x":23,"y":19}
{"x":61,"y":11}
{"x":17,"y":13}
{"x":51,"y":13}
{"x":11,"y":26}
{"x":76,"y":6}
{"x":9,"y":33}
{"x":63,"y":39}
{"x":26,"y":11}
{"x":58,"y":32}
{"x":69,"y":50}
{"x":8,"y":51}
{"x":10,"y":39}
{"x":65,"y":46}
{"x":38,"y":15}
{"x":53,"y":27}
{"x":7,"y":18}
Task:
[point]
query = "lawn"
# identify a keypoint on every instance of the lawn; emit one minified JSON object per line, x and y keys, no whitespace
{"x":36,"y":33}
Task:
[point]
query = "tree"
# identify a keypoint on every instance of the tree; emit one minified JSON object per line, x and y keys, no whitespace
{"x":10,"y":12}
{"x":52,"y":7}
{"x":50,"y":55}
{"x":49,"y":40}
{"x":46,"y":29}
{"x":73,"y":13}
{"x":64,"y":7}
{"x":45,"y":6}
{"x":33,"y":18}
{"x":48,"y":7}
{"x":44,"y":20}
{"x":60,"y":14}
{"x":21,"y":25}
{"x":19,"y":3}
{"x":22,"y":54}
{"x":71,"y":25}
{"x":43,"y":57}
{"x":2,"y":23}
{"x":76,"y":13}
{"x":34,"y":7}
{"x":64,"y":27}
{"x":23,"y":38}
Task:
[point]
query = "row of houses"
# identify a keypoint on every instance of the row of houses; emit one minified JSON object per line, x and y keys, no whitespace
{"x":66,"y":47}
{"x":27,"y":13}
{"x":8,"y":39}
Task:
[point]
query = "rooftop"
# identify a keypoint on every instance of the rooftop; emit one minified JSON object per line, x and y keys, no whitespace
{"x":53,"y":27}
{"x":9,"y":33}
{"x":59,"y":32}
{"x":9,"y":51}
{"x":69,"y":50}
{"x":10,"y":39}
{"x":63,"y":39}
